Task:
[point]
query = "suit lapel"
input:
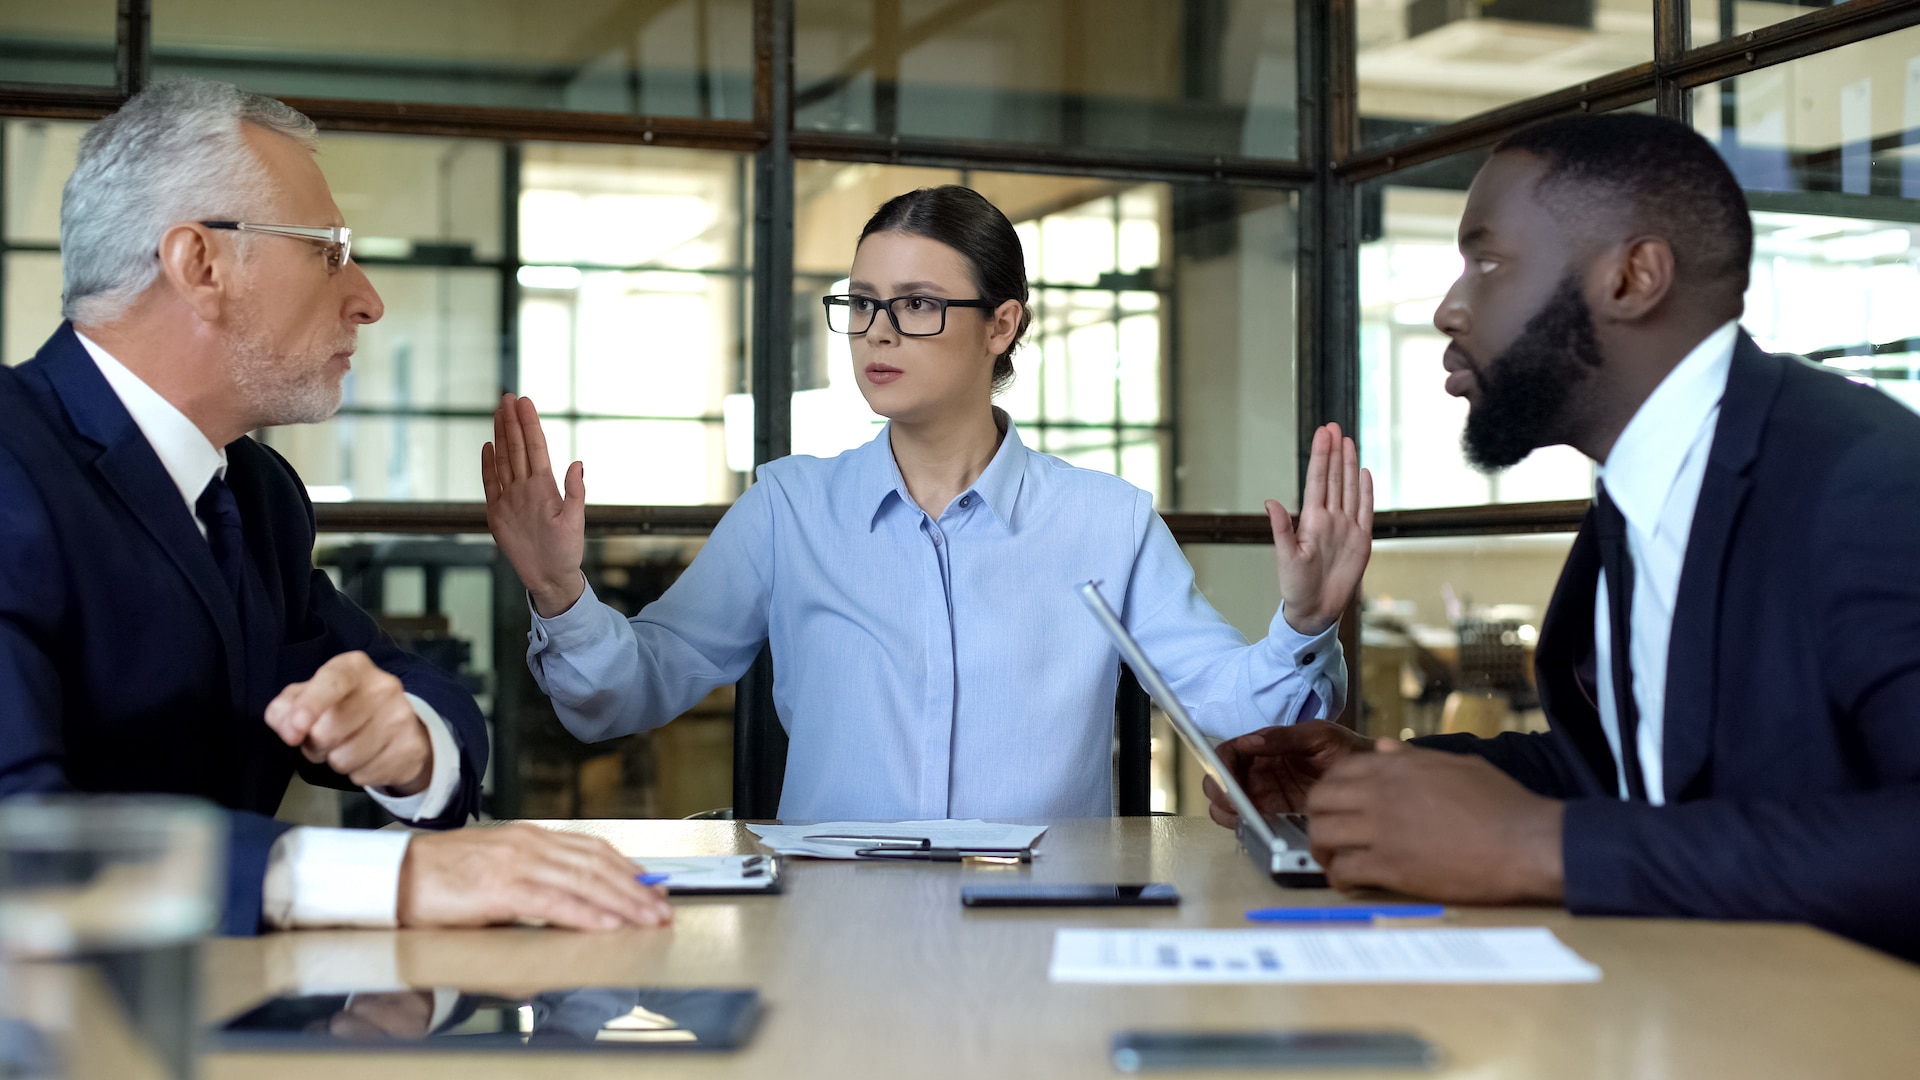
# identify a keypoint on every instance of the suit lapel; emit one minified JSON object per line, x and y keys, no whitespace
{"x":1753,"y":380}
{"x":1565,"y":650}
{"x":130,"y":467}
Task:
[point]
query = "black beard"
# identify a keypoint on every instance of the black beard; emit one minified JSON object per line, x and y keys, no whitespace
{"x":1524,"y":391}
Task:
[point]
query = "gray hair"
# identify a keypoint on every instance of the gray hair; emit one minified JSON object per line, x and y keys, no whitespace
{"x":174,"y":152}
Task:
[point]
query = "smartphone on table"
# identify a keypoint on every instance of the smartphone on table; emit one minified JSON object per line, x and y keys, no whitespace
{"x":1158,"y":1051}
{"x":1028,"y":894}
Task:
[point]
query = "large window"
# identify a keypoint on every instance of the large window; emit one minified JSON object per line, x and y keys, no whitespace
{"x":673,"y":58}
{"x":1424,"y":63}
{"x":1825,"y":148}
{"x":1142,"y":75}
{"x":626,"y":295}
{"x":38,"y":157}
{"x":633,"y":328}
{"x":70,"y":42}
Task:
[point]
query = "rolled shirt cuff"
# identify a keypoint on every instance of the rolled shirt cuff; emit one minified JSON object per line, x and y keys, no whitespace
{"x":334,"y":877}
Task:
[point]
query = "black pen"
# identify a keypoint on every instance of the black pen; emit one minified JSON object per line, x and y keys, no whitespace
{"x":890,"y":843}
{"x":934,"y":854}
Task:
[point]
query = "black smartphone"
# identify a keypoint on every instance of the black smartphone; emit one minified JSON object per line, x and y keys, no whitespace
{"x":1155,"y":1051}
{"x":1029,"y":895}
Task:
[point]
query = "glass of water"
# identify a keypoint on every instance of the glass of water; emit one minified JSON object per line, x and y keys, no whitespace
{"x":104,"y":901}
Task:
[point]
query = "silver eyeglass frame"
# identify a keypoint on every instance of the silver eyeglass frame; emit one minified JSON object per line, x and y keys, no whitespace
{"x":335,"y":238}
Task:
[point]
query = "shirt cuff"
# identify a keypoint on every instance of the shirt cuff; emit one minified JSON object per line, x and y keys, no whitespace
{"x":576,"y":625}
{"x":334,"y":877}
{"x":1306,"y":652}
{"x":431,"y":801}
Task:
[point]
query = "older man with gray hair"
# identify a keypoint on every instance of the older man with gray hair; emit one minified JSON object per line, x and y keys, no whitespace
{"x":162,"y":627}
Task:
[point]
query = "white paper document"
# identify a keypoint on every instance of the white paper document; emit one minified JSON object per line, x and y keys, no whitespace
{"x":1502,"y":955}
{"x":715,"y":873}
{"x":846,"y":837}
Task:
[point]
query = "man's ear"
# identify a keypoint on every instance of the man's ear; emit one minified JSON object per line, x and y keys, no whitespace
{"x":196,"y":269}
{"x":1635,"y":279}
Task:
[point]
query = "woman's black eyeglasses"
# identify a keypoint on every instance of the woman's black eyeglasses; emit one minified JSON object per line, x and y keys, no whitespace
{"x":913,"y":316}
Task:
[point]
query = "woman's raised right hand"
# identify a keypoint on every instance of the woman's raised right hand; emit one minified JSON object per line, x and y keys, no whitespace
{"x":541,"y":532}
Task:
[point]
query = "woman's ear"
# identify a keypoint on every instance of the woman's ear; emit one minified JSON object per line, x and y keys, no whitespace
{"x":1005,"y":327}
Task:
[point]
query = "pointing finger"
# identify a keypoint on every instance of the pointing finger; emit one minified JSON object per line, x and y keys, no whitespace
{"x":299,"y":707}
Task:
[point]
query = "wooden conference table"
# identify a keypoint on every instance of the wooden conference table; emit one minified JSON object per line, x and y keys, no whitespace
{"x":875,"y":970}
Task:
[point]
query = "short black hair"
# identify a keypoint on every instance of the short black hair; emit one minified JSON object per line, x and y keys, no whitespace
{"x":965,"y":221}
{"x":1667,"y":179}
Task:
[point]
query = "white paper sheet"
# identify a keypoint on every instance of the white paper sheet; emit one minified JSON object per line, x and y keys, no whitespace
{"x":715,"y":873}
{"x":1357,"y":955}
{"x":791,"y":839}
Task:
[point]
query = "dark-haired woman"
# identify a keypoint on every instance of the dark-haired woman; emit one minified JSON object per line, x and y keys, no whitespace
{"x":931,"y":659}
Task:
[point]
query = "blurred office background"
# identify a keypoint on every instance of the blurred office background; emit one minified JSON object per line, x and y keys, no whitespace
{"x":1238,"y":218}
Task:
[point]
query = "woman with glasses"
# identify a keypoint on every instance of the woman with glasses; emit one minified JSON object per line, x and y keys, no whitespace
{"x":931,"y":657}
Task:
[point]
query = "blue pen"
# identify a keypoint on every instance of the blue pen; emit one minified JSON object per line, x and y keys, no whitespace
{"x":651,"y":879}
{"x":1347,"y":913}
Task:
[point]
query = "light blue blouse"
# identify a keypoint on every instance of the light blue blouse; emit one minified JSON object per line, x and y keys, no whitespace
{"x":931,"y":668}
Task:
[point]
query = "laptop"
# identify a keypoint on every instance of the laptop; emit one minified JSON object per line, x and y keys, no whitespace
{"x":1277,"y":843}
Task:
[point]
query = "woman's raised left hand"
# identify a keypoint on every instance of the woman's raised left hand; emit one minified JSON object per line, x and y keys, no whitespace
{"x":1322,"y":558}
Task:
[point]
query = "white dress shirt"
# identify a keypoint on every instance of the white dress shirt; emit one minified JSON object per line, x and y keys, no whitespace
{"x":315,"y":877}
{"x":1653,"y":475}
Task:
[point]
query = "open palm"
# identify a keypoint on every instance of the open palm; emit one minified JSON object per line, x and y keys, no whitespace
{"x":541,"y":531}
{"x":1322,"y":558}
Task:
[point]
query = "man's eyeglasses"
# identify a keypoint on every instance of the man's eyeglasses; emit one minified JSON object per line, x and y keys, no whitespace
{"x":336,"y":240}
{"x":913,"y":316}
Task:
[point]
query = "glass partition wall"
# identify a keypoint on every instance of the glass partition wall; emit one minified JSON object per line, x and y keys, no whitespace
{"x":1238,"y":217}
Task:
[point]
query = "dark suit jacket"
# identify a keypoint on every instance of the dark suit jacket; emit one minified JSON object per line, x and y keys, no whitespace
{"x":123,"y":663}
{"x":1792,"y":720}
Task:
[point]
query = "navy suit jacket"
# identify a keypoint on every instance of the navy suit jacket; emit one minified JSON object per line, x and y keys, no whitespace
{"x":1792,"y":722}
{"x":124,"y":666}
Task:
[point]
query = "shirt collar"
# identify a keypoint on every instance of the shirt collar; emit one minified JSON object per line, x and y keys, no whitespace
{"x":189,"y":457}
{"x":998,"y":485}
{"x":1646,"y":459}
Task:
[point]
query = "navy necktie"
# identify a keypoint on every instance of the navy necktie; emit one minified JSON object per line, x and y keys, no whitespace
{"x":1610,"y":527}
{"x":219,"y":512}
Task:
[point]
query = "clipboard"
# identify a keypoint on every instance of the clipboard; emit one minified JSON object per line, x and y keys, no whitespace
{"x":717,"y":875}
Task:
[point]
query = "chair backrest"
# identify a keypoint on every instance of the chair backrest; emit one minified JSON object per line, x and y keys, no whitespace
{"x":1133,"y":752}
{"x":760,"y":745}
